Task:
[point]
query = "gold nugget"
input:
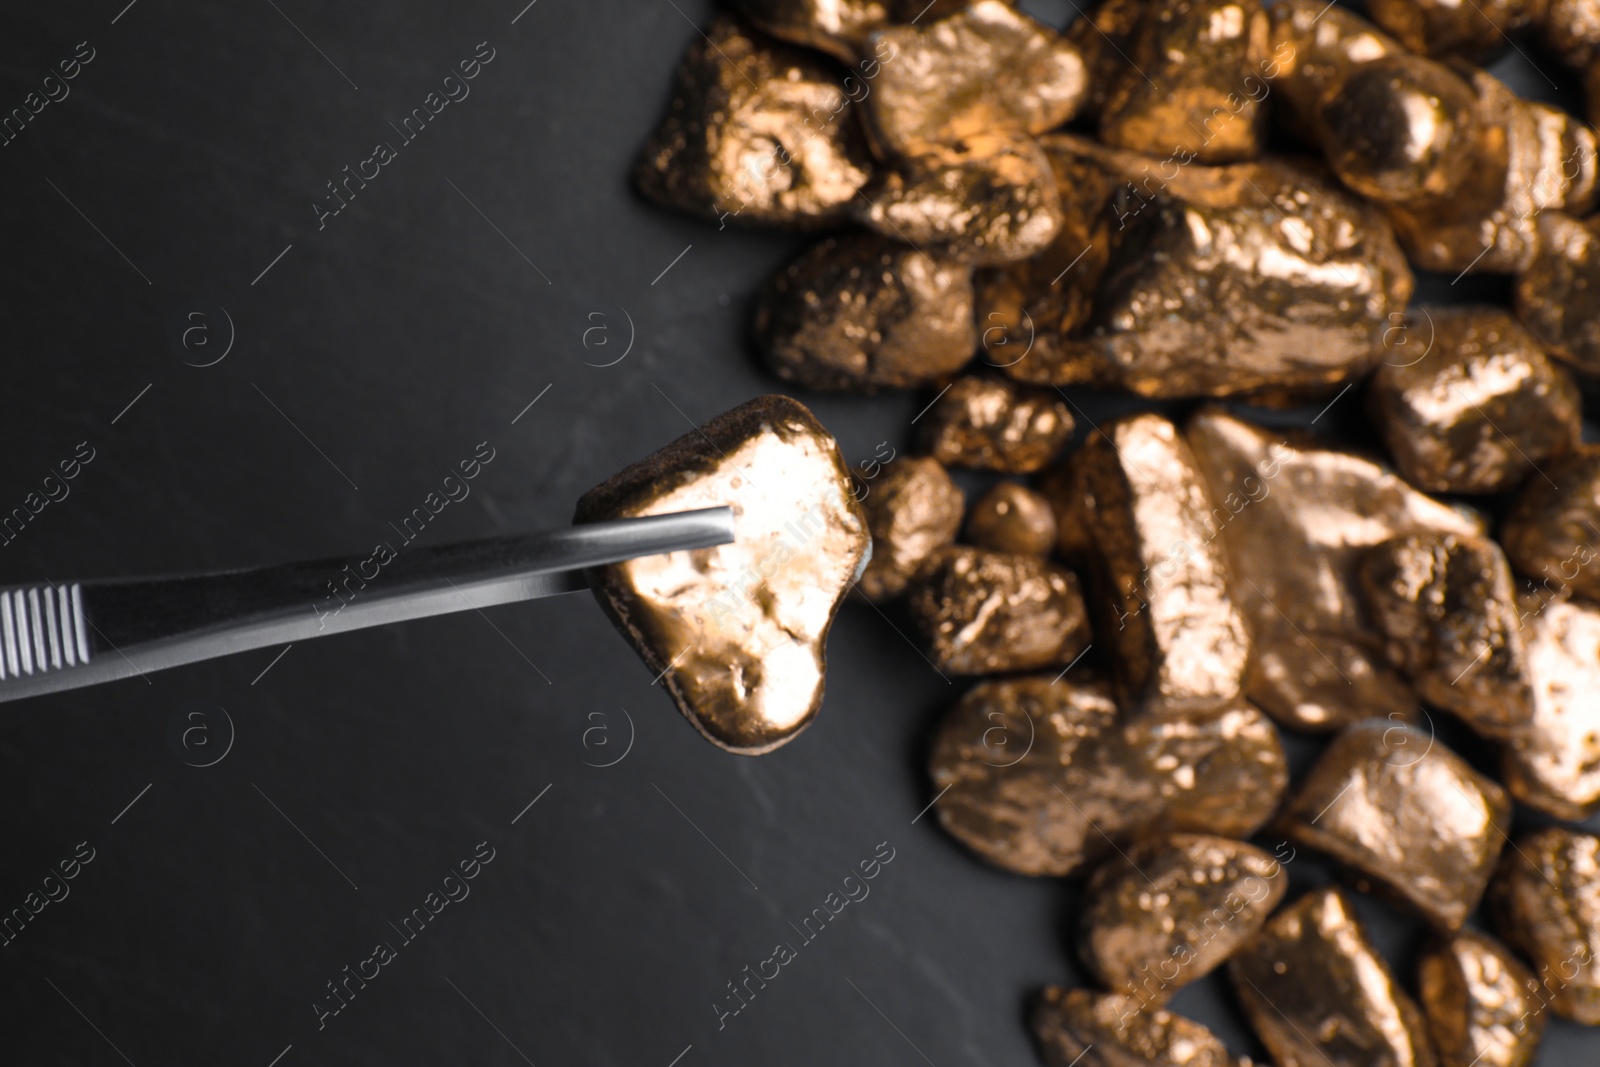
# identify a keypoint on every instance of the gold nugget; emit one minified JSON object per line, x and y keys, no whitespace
{"x":1470,"y":403}
{"x":1195,"y":82}
{"x":1012,"y":518}
{"x":1314,"y":47}
{"x":982,"y":612}
{"x":1300,"y":515}
{"x":1448,"y":607}
{"x":985,"y":69}
{"x":913,"y":510}
{"x":1546,"y":904}
{"x":1081,"y":1028}
{"x":1483,"y":1006}
{"x":986,"y":199}
{"x":1037,"y":776}
{"x":1395,"y":805}
{"x":1316,"y":991}
{"x":1446,"y":27}
{"x":1553,"y":763}
{"x":738,"y":632}
{"x":1552,"y":532}
{"x":756,"y":132}
{"x":1169,"y":910}
{"x":1159,"y":576}
{"x":1228,"y":280}
{"x":861,"y":312}
{"x":993,"y":424}
{"x":1558,"y":295}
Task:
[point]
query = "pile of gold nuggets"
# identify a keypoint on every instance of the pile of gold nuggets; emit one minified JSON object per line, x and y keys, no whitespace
{"x":1149,"y":610}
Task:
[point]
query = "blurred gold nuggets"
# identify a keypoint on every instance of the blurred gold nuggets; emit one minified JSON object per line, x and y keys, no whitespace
{"x":994,"y":424}
{"x":1169,"y":910}
{"x":1558,"y":295}
{"x":1012,"y":518}
{"x":1038,"y":776}
{"x":1081,"y":1028}
{"x":985,"y":69}
{"x":1392,"y":803}
{"x":1479,"y":409}
{"x":1552,"y":532}
{"x":738,"y":633}
{"x":1553,"y":762}
{"x":982,"y":612}
{"x":1308,"y":514}
{"x":1313,"y":47}
{"x":1227,"y":280}
{"x":1482,"y":1005}
{"x":1447,"y":27}
{"x":913,"y":510}
{"x":1316,"y":991}
{"x":1194,"y":82}
{"x":1546,"y":904}
{"x":861,"y":312}
{"x":1159,"y":578}
{"x":755,"y":131}
{"x":1448,"y":608}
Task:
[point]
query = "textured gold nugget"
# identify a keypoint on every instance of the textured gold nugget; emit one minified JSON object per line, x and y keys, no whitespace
{"x":1300,"y":517}
{"x":1169,"y":910}
{"x":1392,"y":803}
{"x":1553,"y":763}
{"x":1470,"y":403}
{"x":756,"y":131}
{"x":985,"y":69}
{"x":1012,"y":518}
{"x":1552,"y":532}
{"x":1081,"y":1028}
{"x":1227,"y":280}
{"x":1448,"y":607}
{"x":913,"y":510}
{"x":985,"y":199}
{"x":1317,"y":992}
{"x":994,"y":424}
{"x":861,"y":311}
{"x":1546,"y":904}
{"x":738,"y":632}
{"x":982,"y":612}
{"x":1558,"y":295}
{"x":1482,"y":1005}
{"x":1159,"y":576}
{"x":1194,"y":82}
{"x":1038,"y":776}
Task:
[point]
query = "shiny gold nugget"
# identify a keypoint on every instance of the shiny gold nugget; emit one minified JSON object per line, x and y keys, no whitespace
{"x":1553,"y":763}
{"x":1558,"y":296}
{"x":1082,"y":1028}
{"x":1169,"y":910}
{"x":1159,"y":576}
{"x":1449,"y":609}
{"x":1012,"y":518}
{"x":1316,"y":991}
{"x":1483,"y":1006}
{"x":1546,"y":904}
{"x":1037,"y":776}
{"x":738,"y":632}
{"x":994,"y":424}
{"x":1477,"y":407}
{"x":1552,"y":532}
{"x":913,"y":510}
{"x":1195,"y":84}
{"x":1300,"y":516}
{"x":986,"y":199}
{"x":984,"y":612}
{"x":863,"y":312}
{"x":1396,"y":806}
{"x":986,"y":69}
{"x":757,"y":132}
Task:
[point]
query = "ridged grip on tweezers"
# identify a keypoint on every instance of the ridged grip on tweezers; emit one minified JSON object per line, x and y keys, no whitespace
{"x":42,"y":629}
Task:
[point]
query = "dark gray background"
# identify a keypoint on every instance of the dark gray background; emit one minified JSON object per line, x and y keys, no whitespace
{"x":377,"y":353}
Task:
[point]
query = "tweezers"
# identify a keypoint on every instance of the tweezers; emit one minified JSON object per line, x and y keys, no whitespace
{"x":65,"y":635}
